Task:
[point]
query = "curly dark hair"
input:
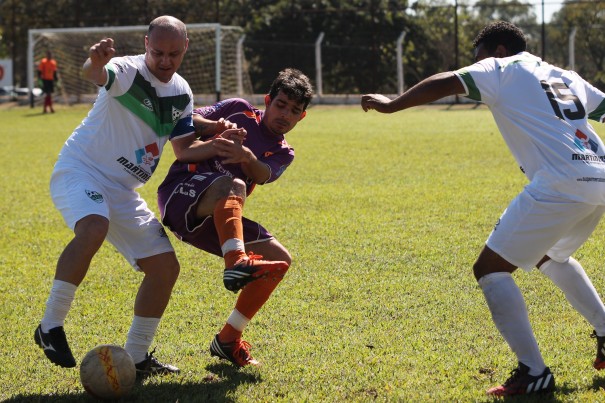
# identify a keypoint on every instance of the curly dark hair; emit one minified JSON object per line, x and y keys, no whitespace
{"x":501,"y":33}
{"x":294,"y":84}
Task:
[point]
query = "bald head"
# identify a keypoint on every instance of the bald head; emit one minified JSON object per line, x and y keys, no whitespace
{"x":168,"y":23}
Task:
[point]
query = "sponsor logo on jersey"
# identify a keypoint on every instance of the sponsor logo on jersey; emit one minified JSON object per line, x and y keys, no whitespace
{"x":186,"y":189}
{"x":221,"y":169}
{"x":134,"y":170}
{"x":583,"y":142}
{"x":94,"y":196}
{"x":176,"y":114}
{"x":147,"y":104}
{"x":149,"y":156}
{"x":588,"y":158}
{"x":147,"y":159}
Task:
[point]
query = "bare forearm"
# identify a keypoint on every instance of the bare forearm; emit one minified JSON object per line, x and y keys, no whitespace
{"x":195,"y":151}
{"x":204,"y":127}
{"x":430,"y":89}
{"x":94,"y":73}
{"x":256,"y":170}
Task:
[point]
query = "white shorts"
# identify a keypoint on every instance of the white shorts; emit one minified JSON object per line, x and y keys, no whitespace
{"x":133,"y":228}
{"x":535,"y":225}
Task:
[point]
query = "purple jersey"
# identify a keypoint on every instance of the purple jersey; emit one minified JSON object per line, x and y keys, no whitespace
{"x":271,"y":149}
{"x":186,"y":183}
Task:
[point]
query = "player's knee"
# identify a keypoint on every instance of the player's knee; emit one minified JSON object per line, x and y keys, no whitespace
{"x":172,"y":271}
{"x":479,"y":270}
{"x":288,"y":259}
{"x":165,"y":271}
{"x":92,"y":229}
{"x":238,"y":188}
{"x":168,"y":274}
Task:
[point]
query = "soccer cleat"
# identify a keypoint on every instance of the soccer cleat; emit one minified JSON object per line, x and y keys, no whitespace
{"x":599,"y":362}
{"x":238,"y":352}
{"x":522,"y":383}
{"x":54,"y":344}
{"x":247,"y":270}
{"x":151,"y":366}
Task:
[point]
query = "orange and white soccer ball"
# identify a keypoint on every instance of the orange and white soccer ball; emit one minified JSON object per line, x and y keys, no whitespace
{"x":108,"y":372}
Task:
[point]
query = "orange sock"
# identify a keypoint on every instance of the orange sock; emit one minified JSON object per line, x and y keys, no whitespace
{"x":254,"y":295}
{"x":250,"y":301}
{"x":228,"y":223}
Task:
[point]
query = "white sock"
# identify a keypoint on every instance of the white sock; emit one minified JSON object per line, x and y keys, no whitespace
{"x":237,"y":320}
{"x":509,"y":314}
{"x":58,"y":304}
{"x":140,"y":337}
{"x":571,"y":278}
{"x":233,"y":244}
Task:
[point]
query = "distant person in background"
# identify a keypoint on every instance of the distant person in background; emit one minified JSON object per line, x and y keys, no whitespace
{"x":542,"y":112}
{"x":202,"y":202}
{"x":47,"y":72}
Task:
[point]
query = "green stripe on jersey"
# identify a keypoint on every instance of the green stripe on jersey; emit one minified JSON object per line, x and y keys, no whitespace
{"x":111,"y":76}
{"x":160,"y":113}
{"x":598,"y":113}
{"x":473,"y":91}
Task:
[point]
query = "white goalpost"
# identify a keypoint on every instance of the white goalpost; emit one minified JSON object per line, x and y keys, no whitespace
{"x":214,"y":65}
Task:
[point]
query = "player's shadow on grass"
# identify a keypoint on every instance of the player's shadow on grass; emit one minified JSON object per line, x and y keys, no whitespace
{"x":220,"y":381}
{"x":598,"y":383}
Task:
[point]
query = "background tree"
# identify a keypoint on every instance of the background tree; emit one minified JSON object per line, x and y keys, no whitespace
{"x":358,"y":51}
{"x":589,"y":21}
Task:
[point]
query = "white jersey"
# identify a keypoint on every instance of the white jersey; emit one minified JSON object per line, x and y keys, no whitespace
{"x":135,"y":114}
{"x":542,"y":112}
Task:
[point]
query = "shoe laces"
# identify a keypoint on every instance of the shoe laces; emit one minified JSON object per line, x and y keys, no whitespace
{"x":253,"y":256}
{"x":599,"y":338}
{"x":151,"y":360}
{"x":241,"y":351}
{"x":515,"y":374}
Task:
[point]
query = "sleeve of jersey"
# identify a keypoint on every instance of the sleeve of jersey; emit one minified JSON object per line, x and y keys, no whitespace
{"x":184,"y":126}
{"x":278,"y":163}
{"x":120,"y":73}
{"x":221,"y":109}
{"x":480,"y":81}
{"x":595,"y":102}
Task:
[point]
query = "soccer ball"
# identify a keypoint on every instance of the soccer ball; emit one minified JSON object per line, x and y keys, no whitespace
{"x":108,"y":372}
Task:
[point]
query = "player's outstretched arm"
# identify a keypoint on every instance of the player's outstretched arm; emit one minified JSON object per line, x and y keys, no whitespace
{"x":428,"y":90}
{"x":99,"y":55}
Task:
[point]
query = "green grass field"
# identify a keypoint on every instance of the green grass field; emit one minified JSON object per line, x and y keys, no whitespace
{"x":384,"y":216}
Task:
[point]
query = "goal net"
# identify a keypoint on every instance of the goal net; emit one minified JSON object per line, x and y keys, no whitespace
{"x":214,"y":64}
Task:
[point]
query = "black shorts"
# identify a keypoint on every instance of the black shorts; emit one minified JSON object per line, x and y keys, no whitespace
{"x":48,"y":86}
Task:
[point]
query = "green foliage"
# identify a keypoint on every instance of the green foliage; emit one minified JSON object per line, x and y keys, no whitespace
{"x":384,"y":216}
{"x":588,"y":18}
{"x":358,"y":52}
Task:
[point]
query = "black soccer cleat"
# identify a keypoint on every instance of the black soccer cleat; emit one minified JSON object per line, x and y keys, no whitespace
{"x":252,"y":268}
{"x":521,"y":382}
{"x":151,"y":366}
{"x":238,"y":352}
{"x":54,"y":344}
{"x":599,"y":362}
